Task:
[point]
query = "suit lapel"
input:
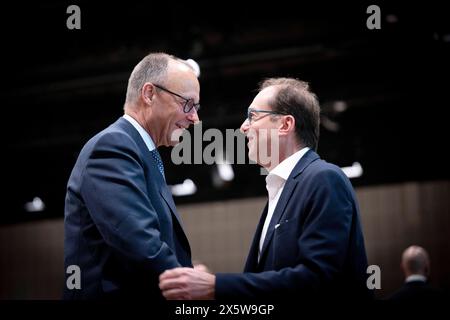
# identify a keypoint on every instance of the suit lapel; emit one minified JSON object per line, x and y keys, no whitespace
{"x":289,"y":188}
{"x":252,"y":259}
{"x":167,"y":196}
{"x":286,"y":195}
{"x":163,"y":189}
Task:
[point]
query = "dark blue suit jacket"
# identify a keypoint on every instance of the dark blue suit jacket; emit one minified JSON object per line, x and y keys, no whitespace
{"x":316,"y":250}
{"x":121,"y":225}
{"x":418,"y":291}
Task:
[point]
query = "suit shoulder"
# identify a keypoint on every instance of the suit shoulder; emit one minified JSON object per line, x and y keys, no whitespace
{"x":323,"y":174}
{"x":111,"y":137}
{"x":322,"y":168}
{"x":111,"y":142}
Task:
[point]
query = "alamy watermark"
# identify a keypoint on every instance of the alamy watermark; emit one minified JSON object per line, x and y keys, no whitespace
{"x":374,"y":280}
{"x":74,"y":279}
{"x":74,"y":20}
{"x":263,"y":146}
{"x":374,"y":20}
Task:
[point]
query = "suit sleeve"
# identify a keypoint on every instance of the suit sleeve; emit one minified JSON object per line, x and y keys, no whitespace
{"x":322,"y":246}
{"x":115,"y":192}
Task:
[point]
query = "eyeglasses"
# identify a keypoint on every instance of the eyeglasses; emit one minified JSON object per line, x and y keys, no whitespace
{"x":188,"y":103}
{"x":251,"y":114}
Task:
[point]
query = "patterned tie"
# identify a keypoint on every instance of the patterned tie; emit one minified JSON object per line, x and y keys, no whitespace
{"x":157,"y":158}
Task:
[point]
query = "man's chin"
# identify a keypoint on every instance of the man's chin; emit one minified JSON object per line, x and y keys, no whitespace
{"x":252,"y":157}
{"x":175,"y":136}
{"x":173,"y":143}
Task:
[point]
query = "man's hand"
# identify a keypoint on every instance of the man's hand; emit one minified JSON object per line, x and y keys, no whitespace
{"x":187,"y":284}
{"x":201,"y":267}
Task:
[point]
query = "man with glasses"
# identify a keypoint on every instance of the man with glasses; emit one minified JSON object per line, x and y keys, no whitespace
{"x":122,"y":229}
{"x":309,"y":242}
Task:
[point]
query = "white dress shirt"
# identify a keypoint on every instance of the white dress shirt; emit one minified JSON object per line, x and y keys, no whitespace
{"x":144,"y":134}
{"x":416,"y":277}
{"x":275,"y":181}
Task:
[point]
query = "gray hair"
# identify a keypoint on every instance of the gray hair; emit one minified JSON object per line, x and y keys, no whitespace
{"x":153,"y":68}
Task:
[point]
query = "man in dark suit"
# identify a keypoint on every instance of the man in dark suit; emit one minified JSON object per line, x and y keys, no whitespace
{"x":416,"y":268}
{"x":309,"y":240}
{"x":122,"y":229}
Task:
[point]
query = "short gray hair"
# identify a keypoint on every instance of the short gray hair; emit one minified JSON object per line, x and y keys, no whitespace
{"x":153,"y":68}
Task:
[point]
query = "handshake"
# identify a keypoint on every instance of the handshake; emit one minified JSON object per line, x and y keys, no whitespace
{"x":187,"y":283}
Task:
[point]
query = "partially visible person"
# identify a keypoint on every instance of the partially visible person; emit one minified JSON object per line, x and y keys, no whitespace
{"x":309,"y":241}
{"x":415,"y":265}
{"x":121,"y":225}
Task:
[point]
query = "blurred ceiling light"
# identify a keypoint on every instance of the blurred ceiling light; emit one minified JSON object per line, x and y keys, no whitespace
{"x":391,"y":18}
{"x":329,"y":124}
{"x":329,"y":116}
{"x":186,"y":188}
{"x":36,"y":205}
{"x":225,"y":171}
{"x":355,"y":171}
{"x":222,"y":174}
{"x":339,"y":106}
{"x":446,"y":37}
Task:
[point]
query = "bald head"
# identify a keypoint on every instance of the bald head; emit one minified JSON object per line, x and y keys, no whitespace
{"x":415,"y":260}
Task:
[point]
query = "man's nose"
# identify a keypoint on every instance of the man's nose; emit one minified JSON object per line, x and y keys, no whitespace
{"x":244,"y":126}
{"x":193,"y":116}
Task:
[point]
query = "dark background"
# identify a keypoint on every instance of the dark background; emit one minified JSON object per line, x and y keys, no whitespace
{"x":62,"y":86}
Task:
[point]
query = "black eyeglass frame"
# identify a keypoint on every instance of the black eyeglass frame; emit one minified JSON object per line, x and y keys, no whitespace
{"x":250,"y":117}
{"x":188,"y":104}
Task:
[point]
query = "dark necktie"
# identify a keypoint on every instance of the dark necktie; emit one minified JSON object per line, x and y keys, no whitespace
{"x":157,"y":158}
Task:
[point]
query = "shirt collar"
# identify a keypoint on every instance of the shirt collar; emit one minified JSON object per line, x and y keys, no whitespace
{"x":416,"y":277}
{"x":286,"y":166}
{"x":144,"y":134}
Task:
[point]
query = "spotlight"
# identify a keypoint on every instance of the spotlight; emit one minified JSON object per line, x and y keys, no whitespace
{"x":186,"y":188}
{"x":355,"y":171}
{"x":36,"y":205}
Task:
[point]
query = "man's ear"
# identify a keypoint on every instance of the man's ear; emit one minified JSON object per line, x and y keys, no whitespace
{"x":147,"y":92}
{"x":287,"y":125}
